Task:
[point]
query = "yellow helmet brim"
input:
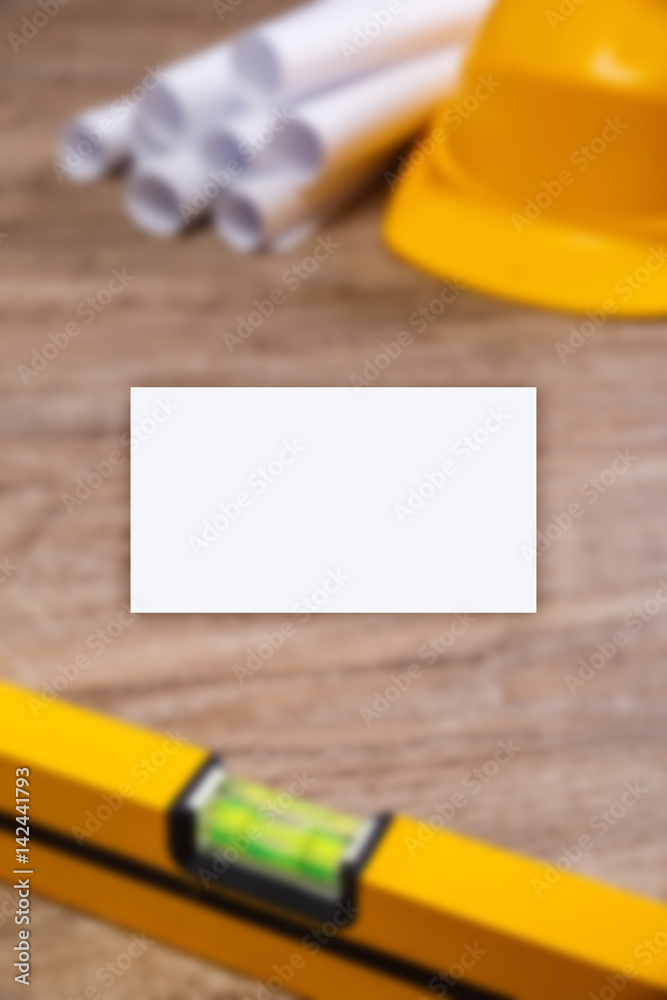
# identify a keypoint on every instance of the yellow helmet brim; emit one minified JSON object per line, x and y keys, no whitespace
{"x":454,"y":234}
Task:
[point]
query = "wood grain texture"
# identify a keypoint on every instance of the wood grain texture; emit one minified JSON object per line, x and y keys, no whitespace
{"x":505,"y":677}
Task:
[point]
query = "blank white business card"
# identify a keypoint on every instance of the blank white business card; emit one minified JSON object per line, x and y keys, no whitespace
{"x":310,"y":500}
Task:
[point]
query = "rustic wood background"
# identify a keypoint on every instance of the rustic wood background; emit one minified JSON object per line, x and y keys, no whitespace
{"x":505,"y":677}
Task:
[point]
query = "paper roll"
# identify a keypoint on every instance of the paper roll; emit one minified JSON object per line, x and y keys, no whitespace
{"x":190,"y":94}
{"x":275,"y":212}
{"x":314,"y":46}
{"x":168,"y":193}
{"x":331,"y":148}
{"x":253,"y":138}
{"x":337,"y":129}
{"x":96,"y":142}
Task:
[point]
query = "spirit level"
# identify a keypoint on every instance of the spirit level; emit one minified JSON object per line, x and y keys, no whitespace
{"x":150,"y":832}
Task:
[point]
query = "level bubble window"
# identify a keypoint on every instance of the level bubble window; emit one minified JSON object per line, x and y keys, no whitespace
{"x":278,"y":835}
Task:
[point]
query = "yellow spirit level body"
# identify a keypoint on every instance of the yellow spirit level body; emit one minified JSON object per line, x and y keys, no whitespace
{"x":441,"y":916}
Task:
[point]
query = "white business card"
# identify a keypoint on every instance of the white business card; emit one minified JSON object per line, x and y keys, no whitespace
{"x":307,"y":500}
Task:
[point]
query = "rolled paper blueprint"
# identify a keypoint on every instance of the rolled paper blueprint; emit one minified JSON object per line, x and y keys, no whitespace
{"x":250,"y":137}
{"x":189,"y":94}
{"x":95,"y":142}
{"x":321,"y":43}
{"x":274,"y":211}
{"x":333,"y":131}
{"x":166,"y":194}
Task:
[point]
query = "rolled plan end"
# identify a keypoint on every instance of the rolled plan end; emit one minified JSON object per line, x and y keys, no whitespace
{"x":243,"y":226}
{"x":276,"y":211}
{"x":258,"y":63}
{"x":322,"y":43}
{"x":152,"y":204}
{"x":96,"y":142}
{"x":265,"y":212}
{"x":332,"y":132}
{"x":221,"y":150}
{"x":189,"y":94}
{"x":167,"y":194}
{"x":271,"y":139}
{"x":160,"y":123}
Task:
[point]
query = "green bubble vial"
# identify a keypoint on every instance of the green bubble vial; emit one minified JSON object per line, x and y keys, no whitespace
{"x":277,"y":834}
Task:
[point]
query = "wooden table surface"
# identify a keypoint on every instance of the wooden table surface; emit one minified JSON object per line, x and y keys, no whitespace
{"x":506,"y":677}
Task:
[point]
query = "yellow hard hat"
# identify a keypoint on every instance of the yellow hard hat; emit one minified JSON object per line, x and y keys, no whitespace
{"x":544,"y":180}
